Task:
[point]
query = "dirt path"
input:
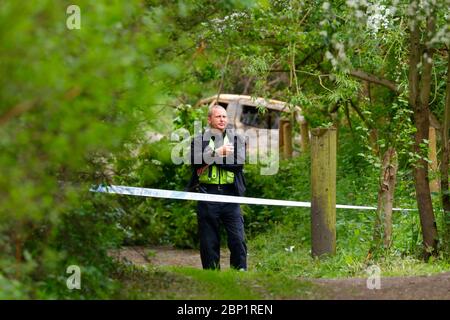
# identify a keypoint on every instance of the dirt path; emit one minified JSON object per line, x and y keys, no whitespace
{"x":392,"y":288}
{"x":435,"y":287}
{"x":165,"y":256}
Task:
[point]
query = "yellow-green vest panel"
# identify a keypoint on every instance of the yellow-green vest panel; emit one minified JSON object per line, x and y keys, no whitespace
{"x":214,"y":174}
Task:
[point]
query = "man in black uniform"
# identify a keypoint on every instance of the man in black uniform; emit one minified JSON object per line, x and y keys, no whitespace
{"x":217,"y":159}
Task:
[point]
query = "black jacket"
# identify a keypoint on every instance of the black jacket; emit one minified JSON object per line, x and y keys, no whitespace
{"x":202,"y":154}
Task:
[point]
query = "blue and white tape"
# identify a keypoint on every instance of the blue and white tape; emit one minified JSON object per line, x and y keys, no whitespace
{"x":182,"y":195}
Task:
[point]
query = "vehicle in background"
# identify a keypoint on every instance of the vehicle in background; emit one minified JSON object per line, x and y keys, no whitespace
{"x":270,"y":121}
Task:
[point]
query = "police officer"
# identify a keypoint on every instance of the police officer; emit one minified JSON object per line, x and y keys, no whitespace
{"x":217,"y":159}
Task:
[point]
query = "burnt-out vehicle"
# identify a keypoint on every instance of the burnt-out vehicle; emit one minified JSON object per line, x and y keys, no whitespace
{"x":266,"y":123}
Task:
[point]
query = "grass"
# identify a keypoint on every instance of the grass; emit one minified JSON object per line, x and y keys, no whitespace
{"x":270,"y":252}
{"x":280,"y":267}
{"x":194,"y":284}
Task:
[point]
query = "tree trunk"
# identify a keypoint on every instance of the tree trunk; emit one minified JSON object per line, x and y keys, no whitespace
{"x":432,"y":156}
{"x":444,"y":163}
{"x":383,"y":224}
{"x":419,"y":94}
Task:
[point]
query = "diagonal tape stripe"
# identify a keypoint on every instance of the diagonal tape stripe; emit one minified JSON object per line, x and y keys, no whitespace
{"x":182,"y":195}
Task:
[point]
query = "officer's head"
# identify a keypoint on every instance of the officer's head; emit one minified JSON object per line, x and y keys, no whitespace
{"x":217,"y":117}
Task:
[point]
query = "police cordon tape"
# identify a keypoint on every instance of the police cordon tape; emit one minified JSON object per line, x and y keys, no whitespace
{"x":182,"y":195}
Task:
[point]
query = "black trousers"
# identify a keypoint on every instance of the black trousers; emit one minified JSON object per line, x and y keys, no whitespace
{"x":209,"y":216}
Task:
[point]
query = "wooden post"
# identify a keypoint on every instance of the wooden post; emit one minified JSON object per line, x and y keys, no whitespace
{"x":323,"y":185}
{"x":281,"y":137}
{"x":304,"y":132}
{"x":304,"y":129}
{"x":285,"y":138}
{"x":432,"y":155}
{"x":336,"y":125}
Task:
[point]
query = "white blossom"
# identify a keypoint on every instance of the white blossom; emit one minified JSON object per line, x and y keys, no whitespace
{"x":228,"y":22}
{"x":378,"y":17}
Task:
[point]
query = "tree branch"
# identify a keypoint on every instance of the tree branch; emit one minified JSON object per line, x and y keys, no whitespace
{"x":360,"y":114}
{"x":374,"y":79}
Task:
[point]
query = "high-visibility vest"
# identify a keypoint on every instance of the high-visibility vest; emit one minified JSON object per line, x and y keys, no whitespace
{"x":215,"y":174}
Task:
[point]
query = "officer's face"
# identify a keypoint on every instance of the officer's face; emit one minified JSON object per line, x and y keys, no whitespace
{"x":218,"y":119}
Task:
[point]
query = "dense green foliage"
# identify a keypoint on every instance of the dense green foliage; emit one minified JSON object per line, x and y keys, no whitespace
{"x":70,"y":101}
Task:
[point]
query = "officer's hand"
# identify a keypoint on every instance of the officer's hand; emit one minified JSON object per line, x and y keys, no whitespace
{"x":225,"y":150}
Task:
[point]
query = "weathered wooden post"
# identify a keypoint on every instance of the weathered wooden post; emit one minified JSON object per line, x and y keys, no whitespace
{"x":323,"y":185}
{"x":285,"y":138}
{"x":281,"y":137}
{"x":304,"y":132}
{"x":304,"y":129}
